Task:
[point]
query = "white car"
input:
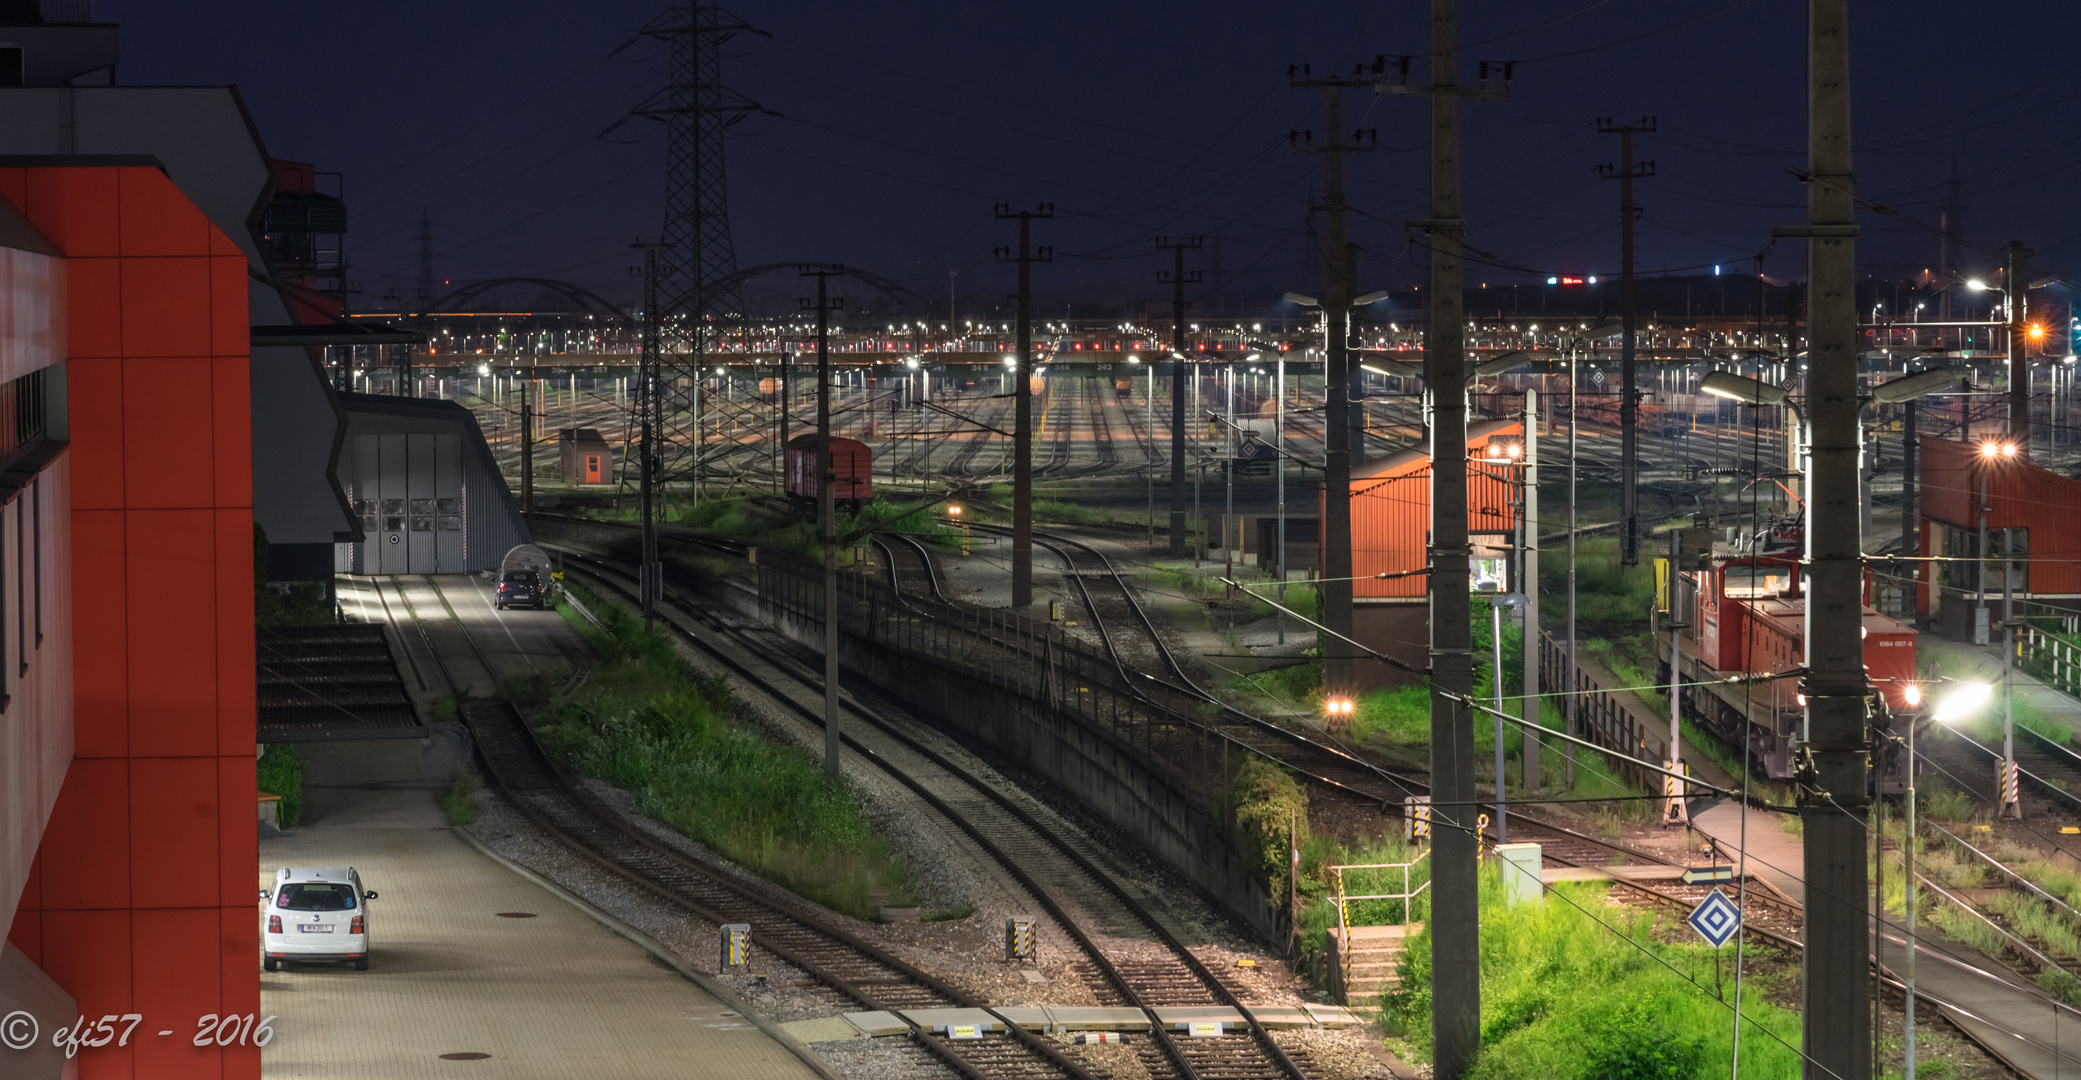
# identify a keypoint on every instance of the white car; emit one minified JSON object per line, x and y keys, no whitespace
{"x":316,"y":913}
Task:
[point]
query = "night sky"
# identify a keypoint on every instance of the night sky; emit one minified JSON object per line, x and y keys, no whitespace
{"x":904,"y":122}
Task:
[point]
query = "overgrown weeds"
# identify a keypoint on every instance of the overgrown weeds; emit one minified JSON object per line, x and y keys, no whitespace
{"x":642,"y":720}
{"x":459,"y":801}
{"x":1574,"y":988}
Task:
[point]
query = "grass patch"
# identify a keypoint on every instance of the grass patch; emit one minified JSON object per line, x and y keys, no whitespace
{"x":1606,"y":593}
{"x":280,"y":772}
{"x":1573,"y":988}
{"x":643,"y":721}
{"x":458,"y":801}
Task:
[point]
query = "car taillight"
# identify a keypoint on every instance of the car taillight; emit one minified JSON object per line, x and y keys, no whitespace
{"x":274,"y":924}
{"x":356,"y":927}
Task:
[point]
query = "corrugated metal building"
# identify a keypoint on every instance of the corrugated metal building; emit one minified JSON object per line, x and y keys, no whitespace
{"x":1390,"y":533}
{"x":430,"y":496}
{"x":2039,"y":509}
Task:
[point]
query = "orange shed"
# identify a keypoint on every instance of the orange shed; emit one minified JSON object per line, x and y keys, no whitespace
{"x":1391,"y":509}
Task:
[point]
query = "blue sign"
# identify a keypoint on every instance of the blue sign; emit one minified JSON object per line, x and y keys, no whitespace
{"x":1716,"y":919}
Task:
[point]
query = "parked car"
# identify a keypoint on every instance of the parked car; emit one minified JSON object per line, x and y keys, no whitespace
{"x":316,"y":913}
{"x":521,"y":587}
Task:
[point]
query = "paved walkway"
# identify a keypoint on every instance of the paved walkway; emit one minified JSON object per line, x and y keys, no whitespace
{"x":553,"y":995}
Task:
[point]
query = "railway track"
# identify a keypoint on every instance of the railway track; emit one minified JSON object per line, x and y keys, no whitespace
{"x":1060,"y":875}
{"x":1342,"y":771}
{"x":856,"y":971}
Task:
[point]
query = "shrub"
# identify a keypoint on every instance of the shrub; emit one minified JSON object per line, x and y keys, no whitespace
{"x":280,"y":772}
{"x":1270,"y":813}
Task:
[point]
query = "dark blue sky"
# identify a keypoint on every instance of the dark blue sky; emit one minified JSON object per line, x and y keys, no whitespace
{"x":905,"y":121}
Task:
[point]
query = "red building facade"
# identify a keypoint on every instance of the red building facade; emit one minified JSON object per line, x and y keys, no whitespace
{"x":140,"y":896}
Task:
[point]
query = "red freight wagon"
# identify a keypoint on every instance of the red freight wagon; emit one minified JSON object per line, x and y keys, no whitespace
{"x":851,"y":461}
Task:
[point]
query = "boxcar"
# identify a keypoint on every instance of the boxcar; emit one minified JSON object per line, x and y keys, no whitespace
{"x":851,"y":461}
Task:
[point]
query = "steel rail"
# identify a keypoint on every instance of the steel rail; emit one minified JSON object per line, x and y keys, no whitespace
{"x":1047,"y":835}
{"x":531,"y":749}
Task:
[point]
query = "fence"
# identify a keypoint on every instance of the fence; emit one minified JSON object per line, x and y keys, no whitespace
{"x":2051,"y":657}
{"x":1599,"y":716}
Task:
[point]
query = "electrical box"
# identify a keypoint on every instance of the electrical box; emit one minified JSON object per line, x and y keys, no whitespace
{"x":1021,"y":941}
{"x":736,"y":943}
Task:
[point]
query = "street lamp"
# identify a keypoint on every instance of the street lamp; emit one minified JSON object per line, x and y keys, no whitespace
{"x":1257,"y":351}
{"x":1497,"y":602}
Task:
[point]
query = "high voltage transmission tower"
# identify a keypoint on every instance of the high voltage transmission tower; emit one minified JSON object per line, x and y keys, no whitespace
{"x":694,"y":250}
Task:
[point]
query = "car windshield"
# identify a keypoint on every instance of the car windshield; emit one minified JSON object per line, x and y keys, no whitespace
{"x":521,"y":577}
{"x":315,"y":896}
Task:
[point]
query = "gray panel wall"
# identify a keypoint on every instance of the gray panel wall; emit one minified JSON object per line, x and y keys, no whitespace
{"x":430,"y":496}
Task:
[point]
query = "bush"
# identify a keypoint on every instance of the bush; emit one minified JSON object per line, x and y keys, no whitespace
{"x":1270,"y":813}
{"x":1633,"y":1043}
{"x":643,"y":721}
{"x":280,"y":772}
{"x":457,"y":801}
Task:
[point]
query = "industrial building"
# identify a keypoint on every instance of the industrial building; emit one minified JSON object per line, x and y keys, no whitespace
{"x":584,"y":457}
{"x":128,"y":803}
{"x":1967,"y":489}
{"x":1390,"y":534}
{"x":422,"y":480}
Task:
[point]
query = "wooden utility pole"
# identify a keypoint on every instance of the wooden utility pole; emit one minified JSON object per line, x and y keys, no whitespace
{"x":1335,"y":538}
{"x":1022,"y":397}
{"x":1629,"y":396}
{"x":1836,"y":752}
{"x":827,"y":510}
{"x":1178,"y":277}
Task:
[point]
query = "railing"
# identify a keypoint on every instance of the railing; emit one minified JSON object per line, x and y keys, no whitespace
{"x":1341,"y":899}
{"x":1602,"y":720}
{"x":2051,"y":658}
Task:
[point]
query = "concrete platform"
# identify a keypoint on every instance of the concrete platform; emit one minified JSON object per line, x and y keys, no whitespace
{"x":1183,"y":1019}
{"x":1097,"y":1018}
{"x":552,"y":995}
{"x":942,"y":1019}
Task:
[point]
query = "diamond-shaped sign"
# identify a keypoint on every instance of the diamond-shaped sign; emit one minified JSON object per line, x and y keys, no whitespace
{"x":1716,"y":919}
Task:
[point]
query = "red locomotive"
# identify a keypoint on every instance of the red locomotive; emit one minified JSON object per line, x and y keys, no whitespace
{"x":1744,"y":613}
{"x":851,"y":461}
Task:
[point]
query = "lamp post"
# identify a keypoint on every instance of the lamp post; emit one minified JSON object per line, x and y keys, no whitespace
{"x":1497,"y":603}
{"x":2007,"y":800}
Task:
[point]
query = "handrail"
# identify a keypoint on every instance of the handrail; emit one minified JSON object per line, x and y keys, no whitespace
{"x":1407,"y":896}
